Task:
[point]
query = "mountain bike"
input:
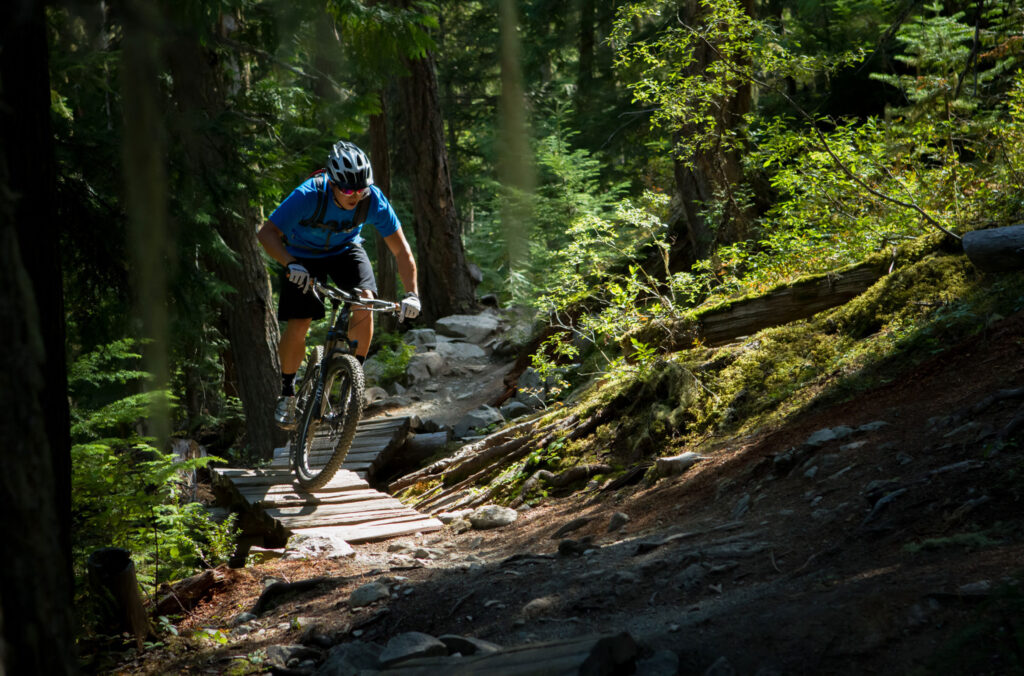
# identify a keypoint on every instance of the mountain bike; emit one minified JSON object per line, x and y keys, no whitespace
{"x":329,"y":391}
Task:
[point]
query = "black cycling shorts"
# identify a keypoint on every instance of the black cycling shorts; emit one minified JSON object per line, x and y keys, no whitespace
{"x":349,"y":270}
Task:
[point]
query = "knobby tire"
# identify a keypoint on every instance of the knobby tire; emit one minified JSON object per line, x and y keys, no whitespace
{"x":339,"y":406}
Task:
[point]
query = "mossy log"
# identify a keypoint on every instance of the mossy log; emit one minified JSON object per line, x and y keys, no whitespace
{"x":800,"y":300}
{"x":996,"y":249}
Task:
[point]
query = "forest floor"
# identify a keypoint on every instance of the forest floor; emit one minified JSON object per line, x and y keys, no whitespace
{"x":891,"y":543}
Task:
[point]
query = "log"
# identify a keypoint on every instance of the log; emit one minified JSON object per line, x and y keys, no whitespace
{"x":800,"y":300}
{"x":996,"y":249}
{"x":186,"y":594}
{"x":111,"y":574}
{"x":466,"y":452}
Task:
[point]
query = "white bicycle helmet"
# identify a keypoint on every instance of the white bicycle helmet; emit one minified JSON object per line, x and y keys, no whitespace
{"x":348,"y":167}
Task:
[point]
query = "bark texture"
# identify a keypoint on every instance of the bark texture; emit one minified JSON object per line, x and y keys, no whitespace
{"x":710,"y":173}
{"x":444,"y":279}
{"x":380,"y":157}
{"x":199,"y":100}
{"x":35,"y":487}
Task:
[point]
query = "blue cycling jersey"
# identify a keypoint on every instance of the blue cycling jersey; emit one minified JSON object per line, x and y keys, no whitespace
{"x":335,"y":233}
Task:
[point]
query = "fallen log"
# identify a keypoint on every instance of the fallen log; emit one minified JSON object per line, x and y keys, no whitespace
{"x":186,"y":594}
{"x":800,"y":300}
{"x":996,"y":249}
{"x":441,"y":466}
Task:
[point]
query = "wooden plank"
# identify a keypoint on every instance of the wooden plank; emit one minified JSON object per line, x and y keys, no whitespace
{"x":308,"y":521}
{"x":373,"y":532}
{"x":293,"y":499}
{"x":371,"y":504}
{"x":376,"y":532}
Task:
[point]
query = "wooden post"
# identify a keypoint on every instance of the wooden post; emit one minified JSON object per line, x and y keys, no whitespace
{"x":112,"y":578}
{"x":996,"y":249}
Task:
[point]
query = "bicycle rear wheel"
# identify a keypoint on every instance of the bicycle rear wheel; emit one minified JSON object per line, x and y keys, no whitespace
{"x":328,"y":425}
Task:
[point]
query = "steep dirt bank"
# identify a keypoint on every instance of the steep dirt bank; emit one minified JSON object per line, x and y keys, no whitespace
{"x":881,"y":535}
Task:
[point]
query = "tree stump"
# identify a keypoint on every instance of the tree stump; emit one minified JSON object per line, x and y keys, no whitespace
{"x":114,"y":585}
{"x":996,"y":249}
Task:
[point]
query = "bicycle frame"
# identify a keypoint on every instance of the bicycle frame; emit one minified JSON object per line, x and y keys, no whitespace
{"x":315,"y":405}
{"x":342,"y":304}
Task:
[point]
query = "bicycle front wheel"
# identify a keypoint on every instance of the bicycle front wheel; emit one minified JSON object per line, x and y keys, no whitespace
{"x":327,"y":427}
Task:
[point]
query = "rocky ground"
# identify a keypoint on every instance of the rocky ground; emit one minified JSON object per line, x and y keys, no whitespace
{"x":881,"y":535}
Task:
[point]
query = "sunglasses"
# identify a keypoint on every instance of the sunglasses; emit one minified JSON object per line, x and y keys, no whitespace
{"x":348,"y":192}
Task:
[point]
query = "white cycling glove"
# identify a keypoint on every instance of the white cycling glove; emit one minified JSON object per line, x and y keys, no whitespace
{"x":410,"y":307}
{"x":299,"y":276}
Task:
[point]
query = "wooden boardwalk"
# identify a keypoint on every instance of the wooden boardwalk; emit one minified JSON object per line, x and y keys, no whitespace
{"x":346,"y":507}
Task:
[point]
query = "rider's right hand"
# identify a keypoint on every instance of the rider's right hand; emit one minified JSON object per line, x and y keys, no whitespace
{"x":299,"y":276}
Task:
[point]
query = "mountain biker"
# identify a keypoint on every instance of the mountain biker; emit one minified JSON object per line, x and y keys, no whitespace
{"x":331,"y":248}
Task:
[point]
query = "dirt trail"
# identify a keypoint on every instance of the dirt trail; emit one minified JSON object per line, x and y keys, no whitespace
{"x":893,"y":543}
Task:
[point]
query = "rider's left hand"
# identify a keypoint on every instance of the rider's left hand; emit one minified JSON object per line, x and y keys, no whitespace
{"x":410,"y":307}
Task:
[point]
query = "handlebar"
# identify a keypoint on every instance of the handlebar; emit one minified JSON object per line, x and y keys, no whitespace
{"x":321,"y":289}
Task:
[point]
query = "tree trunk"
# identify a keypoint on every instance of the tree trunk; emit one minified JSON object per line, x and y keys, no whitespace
{"x":35,"y":487}
{"x":444,"y":279}
{"x":710,"y":175}
{"x":249,"y":315}
{"x":380,"y":154}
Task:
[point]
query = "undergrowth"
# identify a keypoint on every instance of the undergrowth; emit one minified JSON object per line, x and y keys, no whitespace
{"x":692,"y":398}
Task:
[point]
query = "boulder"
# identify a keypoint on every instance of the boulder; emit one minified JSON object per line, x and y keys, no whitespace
{"x":421,"y":339}
{"x":410,"y":645}
{"x":367,"y":594}
{"x":677,"y":464}
{"x":478,"y":419}
{"x":460,"y":351}
{"x":492,"y":516}
{"x":471,"y":328}
{"x":424,"y":366}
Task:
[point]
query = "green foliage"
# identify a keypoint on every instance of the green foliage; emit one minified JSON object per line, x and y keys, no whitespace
{"x":125,"y":492}
{"x":604,"y":269}
{"x":393,"y":355}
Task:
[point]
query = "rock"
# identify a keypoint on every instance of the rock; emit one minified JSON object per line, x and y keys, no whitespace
{"x":371,"y":395}
{"x":421,"y":339}
{"x":460,"y":351}
{"x":478,"y":419}
{"x":570,"y":547}
{"x":472,"y":328}
{"x":448,"y":517}
{"x":691,"y":577}
{"x":677,"y":464}
{"x":514,"y":409}
{"x":492,"y":516}
{"x":242,"y":618}
{"x":312,"y":546}
{"x":424,"y":366}
{"x":367,"y":594}
{"x":350,"y":659}
{"x":575,"y":524}
{"x":661,"y":663}
{"x":373,"y":370}
{"x":618,"y":520}
{"x":410,"y":645}
{"x":539,"y":607}
{"x":822,"y":437}
{"x":872,"y":426}
{"x":285,"y":656}
{"x":467,"y":645}
{"x":742,"y":507}
{"x":721,"y":667}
